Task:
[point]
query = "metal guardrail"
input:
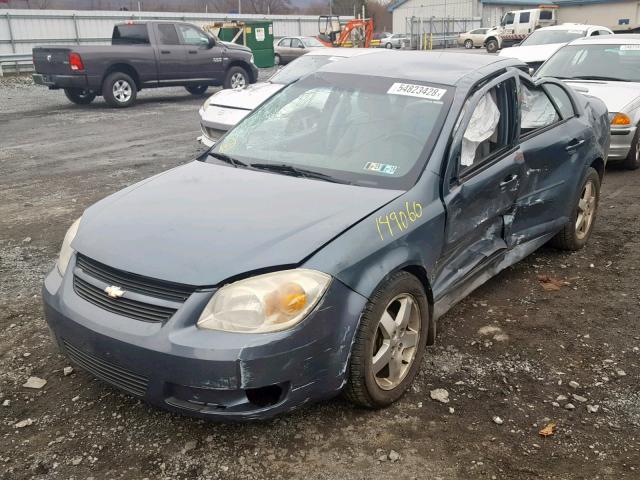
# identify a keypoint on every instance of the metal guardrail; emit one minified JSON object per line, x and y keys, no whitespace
{"x":17,"y":60}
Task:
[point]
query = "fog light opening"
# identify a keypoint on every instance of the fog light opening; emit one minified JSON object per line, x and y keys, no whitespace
{"x":264,"y":396}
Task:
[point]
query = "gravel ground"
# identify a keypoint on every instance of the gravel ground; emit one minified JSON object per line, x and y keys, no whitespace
{"x":511,"y":358}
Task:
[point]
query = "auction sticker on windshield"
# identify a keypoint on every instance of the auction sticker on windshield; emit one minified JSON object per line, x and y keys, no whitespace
{"x":381,"y":167}
{"x":420,"y":91}
{"x":629,"y":47}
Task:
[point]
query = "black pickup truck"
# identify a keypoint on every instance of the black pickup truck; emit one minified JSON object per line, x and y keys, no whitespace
{"x":144,"y":55}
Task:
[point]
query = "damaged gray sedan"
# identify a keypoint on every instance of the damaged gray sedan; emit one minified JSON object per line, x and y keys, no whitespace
{"x":312,"y":250}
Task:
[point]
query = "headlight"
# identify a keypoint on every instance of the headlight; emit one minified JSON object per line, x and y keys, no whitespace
{"x":619,"y":119}
{"x":66,"y":251}
{"x":205,"y":105}
{"x":265,"y":303}
{"x":252,"y":59}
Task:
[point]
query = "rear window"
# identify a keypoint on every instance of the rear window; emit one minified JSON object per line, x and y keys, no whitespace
{"x":130,"y":34}
{"x":546,"y":15}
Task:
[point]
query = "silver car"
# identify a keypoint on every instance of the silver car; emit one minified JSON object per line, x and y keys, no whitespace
{"x":225,"y":108}
{"x":606,"y":67}
{"x":288,"y":49}
{"x":396,"y":40}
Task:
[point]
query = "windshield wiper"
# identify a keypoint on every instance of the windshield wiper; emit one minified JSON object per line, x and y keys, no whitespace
{"x":296,"y":172}
{"x":597,"y":77}
{"x":227,"y":159}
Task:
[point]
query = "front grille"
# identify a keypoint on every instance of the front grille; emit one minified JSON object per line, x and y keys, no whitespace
{"x":175,"y":292}
{"x":121,"y":306}
{"x":108,"y":372}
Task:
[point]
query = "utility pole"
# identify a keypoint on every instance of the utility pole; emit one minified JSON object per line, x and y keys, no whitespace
{"x":239,"y":6}
{"x":330,"y":7}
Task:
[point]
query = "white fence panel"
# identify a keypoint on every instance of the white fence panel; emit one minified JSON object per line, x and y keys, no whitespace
{"x":21,"y":30}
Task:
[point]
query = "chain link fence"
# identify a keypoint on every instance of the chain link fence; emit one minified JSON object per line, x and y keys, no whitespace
{"x":430,"y":33}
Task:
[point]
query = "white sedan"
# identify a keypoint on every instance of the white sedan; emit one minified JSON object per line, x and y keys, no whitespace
{"x":225,"y":108}
{"x":544,"y":42}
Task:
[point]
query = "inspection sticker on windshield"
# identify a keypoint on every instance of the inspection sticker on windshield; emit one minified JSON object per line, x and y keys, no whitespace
{"x":420,"y":91}
{"x":629,"y":47}
{"x":381,"y":167}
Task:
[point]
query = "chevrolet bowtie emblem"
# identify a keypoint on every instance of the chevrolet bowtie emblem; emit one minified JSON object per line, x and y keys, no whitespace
{"x":114,"y":292}
{"x":48,"y":58}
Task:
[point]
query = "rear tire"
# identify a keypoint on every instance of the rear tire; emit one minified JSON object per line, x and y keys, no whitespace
{"x":80,"y":96}
{"x":492,"y":46}
{"x":237,"y":78}
{"x":388,"y":45}
{"x":575,"y":234}
{"x":196,"y":90}
{"x":632,"y":162}
{"x":387,"y":351}
{"x":277,"y":60}
{"x":119,"y":90}
{"x":468,"y":44}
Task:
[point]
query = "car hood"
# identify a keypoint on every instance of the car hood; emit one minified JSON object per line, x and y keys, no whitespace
{"x":200,"y":224}
{"x":534,"y":53}
{"x":235,"y":46}
{"x":615,"y":95}
{"x":247,"y":98}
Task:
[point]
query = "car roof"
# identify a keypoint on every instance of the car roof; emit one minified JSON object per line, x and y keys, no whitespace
{"x":437,"y":67}
{"x":617,"y":39}
{"x":341,"y":52}
{"x":572,"y":26}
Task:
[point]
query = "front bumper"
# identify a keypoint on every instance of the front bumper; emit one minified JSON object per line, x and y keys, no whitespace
{"x":216,"y":120}
{"x":203,"y":373}
{"x":620,"y":143}
{"x":60,"y":81}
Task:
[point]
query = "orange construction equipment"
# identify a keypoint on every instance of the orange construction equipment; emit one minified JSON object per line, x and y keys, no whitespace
{"x":355,"y":33}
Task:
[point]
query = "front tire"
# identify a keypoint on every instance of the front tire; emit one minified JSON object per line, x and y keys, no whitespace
{"x":632,"y":162}
{"x":388,"y":45}
{"x":119,"y":90}
{"x":277,"y":60}
{"x":575,"y":234}
{"x":80,"y":96}
{"x":492,"y":46}
{"x":196,"y":90}
{"x":389,"y":343}
{"x":468,"y":44}
{"x":237,"y":78}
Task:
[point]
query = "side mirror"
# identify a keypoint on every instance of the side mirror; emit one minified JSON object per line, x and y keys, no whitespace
{"x":532,"y":71}
{"x":300,"y":46}
{"x":211,"y":43}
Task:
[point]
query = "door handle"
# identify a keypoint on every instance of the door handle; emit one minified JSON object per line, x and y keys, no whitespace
{"x":508,"y":180}
{"x":193,"y":51}
{"x":573,"y":144}
{"x":165,"y":51}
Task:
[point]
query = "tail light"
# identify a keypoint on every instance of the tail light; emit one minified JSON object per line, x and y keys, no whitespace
{"x":75,"y":62}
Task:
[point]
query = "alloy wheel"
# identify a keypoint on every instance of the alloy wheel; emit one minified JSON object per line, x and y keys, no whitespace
{"x":122,"y":91}
{"x":586,"y":210}
{"x":238,"y":81}
{"x":396,"y":341}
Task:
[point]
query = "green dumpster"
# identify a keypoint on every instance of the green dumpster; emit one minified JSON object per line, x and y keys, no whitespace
{"x":258,"y":36}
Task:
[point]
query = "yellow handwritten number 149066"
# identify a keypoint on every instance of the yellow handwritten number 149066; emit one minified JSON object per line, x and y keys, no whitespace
{"x":400,"y":219}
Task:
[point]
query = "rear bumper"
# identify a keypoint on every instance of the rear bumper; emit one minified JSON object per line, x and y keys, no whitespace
{"x":208,"y":374}
{"x":60,"y":81}
{"x":620,"y":142}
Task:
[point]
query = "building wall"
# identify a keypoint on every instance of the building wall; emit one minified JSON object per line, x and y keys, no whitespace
{"x":433,"y":8}
{"x":606,"y":14}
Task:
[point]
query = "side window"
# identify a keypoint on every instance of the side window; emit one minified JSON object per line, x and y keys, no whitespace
{"x":487,"y":132}
{"x":524,"y":17}
{"x":561,"y":99}
{"x":508,"y":18}
{"x":296,"y":43}
{"x":604,"y":32}
{"x":546,"y":15}
{"x":285,"y":42}
{"x":536,"y":110}
{"x":192,"y":36}
{"x":594,"y":33}
{"x":167,"y":34}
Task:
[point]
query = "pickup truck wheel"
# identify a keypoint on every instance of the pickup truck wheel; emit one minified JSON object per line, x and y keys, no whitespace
{"x":79,"y":96}
{"x":390,"y":342}
{"x":237,"y":78}
{"x":119,"y":90}
{"x":492,"y":46}
{"x":197,"y":89}
{"x":575,"y":234}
